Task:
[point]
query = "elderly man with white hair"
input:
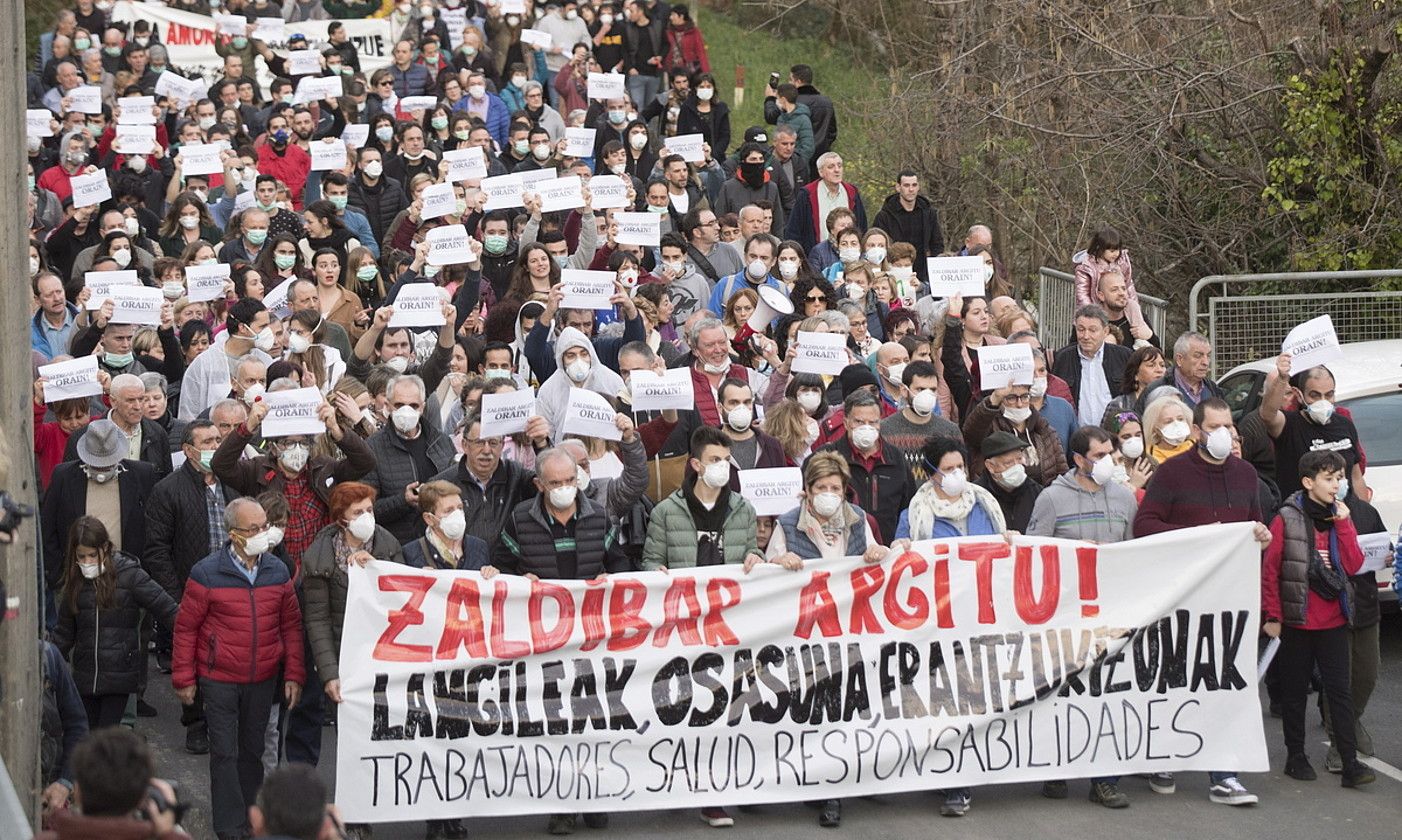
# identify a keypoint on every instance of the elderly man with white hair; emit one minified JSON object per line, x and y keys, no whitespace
{"x":146,"y":439}
{"x":816,"y":200}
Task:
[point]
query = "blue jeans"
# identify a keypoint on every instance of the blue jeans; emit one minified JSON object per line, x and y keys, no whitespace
{"x":1216,"y":777}
{"x":643,"y":89}
{"x":302,"y":726}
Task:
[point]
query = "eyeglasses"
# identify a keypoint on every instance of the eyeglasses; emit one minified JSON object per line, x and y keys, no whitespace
{"x":485,"y":443}
{"x":1018,"y":398}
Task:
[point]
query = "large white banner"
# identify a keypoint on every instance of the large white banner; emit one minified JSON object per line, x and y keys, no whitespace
{"x":962,"y":662}
{"x":189,"y":39}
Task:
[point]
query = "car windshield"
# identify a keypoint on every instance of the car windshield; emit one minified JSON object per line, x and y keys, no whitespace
{"x":1376,"y":419}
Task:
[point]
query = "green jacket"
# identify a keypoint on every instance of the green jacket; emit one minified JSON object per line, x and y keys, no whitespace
{"x":671,"y":534}
{"x":801,"y":121}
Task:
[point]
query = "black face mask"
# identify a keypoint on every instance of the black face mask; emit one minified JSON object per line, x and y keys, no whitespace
{"x":752,"y":174}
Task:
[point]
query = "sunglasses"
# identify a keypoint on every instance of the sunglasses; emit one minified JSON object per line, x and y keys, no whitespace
{"x":817,"y":298}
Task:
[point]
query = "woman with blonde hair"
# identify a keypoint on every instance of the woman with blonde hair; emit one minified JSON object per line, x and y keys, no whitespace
{"x":306,"y":336}
{"x":1167,"y":427}
{"x":788,"y":423}
{"x":1014,"y":320}
{"x":738,"y":310}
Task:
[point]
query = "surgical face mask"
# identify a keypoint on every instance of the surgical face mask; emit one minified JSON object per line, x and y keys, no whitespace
{"x":810,"y":400}
{"x":1103,"y":470}
{"x":122,"y":256}
{"x":90,"y":571}
{"x":577,"y":370}
{"x":954,"y":483}
{"x":362,"y":527}
{"x":1219,"y":442}
{"x":438,"y":123}
{"x":716,"y":474}
{"x":541,"y":151}
{"x":1174,"y":433}
{"x":848,"y":254}
{"x":257,"y":545}
{"x":676,"y":268}
{"x":431,"y":271}
{"x":338,"y":201}
{"x":876,"y":255}
{"x":1013,"y":477}
{"x":253,"y":392}
{"x":206,"y":459}
{"x":206,"y":123}
{"x":295,"y":456}
{"x":704,"y":94}
{"x":520,"y":147}
{"x":497,"y":373}
{"x":716,"y":370}
{"x":826,"y":504}
{"x":615,"y":168}
{"x":987,"y":272}
{"x":1342,"y":492}
{"x":130,"y":224}
{"x":137,"y":164}
{"x":33,"y":266}
{"x":562,"y":260}
{"x":384,"y":134}
{"x":240,"y":42}
{"x":398,"y":364}
{"x":581,"y":478}
{"x":657,"y":208}
{"x":81,"y":43}
{"x":284,"y":261}
{"x":895,"y":372}
{"x":460,"y":207}
{"x":462,"y":135}
{"x":374,"y":168}
{"x":476,"y":91}
{"x":1320,"y":411}
{"x":172,"y":289}
{"x":616,"y":116}
{"x":1039,"y":387}
{"x":604,"y":19}
{"x":366,"y":273}
{"x":1017,"y":415}
{"x":638,"y":140}
{"x":757,"y":269}
{"x":189,"y":222}
{"x":495,"y":243}
{"x":75,"y":158}
{"x":855,"y":292}
{"x":265,"y":339}
{"x":740,"y":417}
{"x":406,"y":419}
{"x":298,"y":343}
{"x":865,"y":437}
{"x":788,"y":269}
{"x":1132,"y":448}
{"x":924,"y":402}
{"x":275,"y":535}
{"x":454,"y":525}
{"x":563,"y":497}
{"x":518,"y":81}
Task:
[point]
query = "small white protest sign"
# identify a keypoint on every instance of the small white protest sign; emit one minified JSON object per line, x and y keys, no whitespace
{"x":131,"y":139}
{"x":590,"y":414}
{"x":36,"y":122}
{"x":90,"y":189}
{"x":329,"y":154}
{"x":231,"y":25}
{"x":1003,"y":365}
{"x":586,"y":289}
{"x":85,"y":99}
{"x":673,"y":389}
{"x":269,"y":29}
{"x":170,"y":85}
{"x":772,"y":491}
{"x":560,"y":193}
{"x":417,"y":305}
{"x":956,"y":276}
{"x":456,"y":21}
{"x":503,"y":191}
{"x":200,"y":159}
{"x":418,"y":103}
{"x":313,"y":88}
{"x":638,"y":229}
{"x":1377,"y":548}
{"x":579,"y":142}
{"x":536,"y":38}
{"x":71,"y":379}
{"x":293,"y":412}
{"x":608,"y":191}
{"x":438,"y":200}
{"x":206,"y":282}
{"x":136,"y":110}
{"x":817,"y":352}
{"x":506,"y":413}
{"x":276,"y":300}
{"x":100,"y":283}
{"x":606,"y":86}
{"x":356,"y":134}
{"x":448,"y":245}
{"x":531,"y":177}
{"x":303,"y":62}
{"x":466,"y":163}
{"x":688,"y":146}
{"x":136,"y":305}
{"x":513,"y":7}
{"x":1311,"y":344}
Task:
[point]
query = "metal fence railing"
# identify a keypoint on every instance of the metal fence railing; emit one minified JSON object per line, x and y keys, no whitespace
{"x":1245,"y":327}
{"x":1056,"y":308}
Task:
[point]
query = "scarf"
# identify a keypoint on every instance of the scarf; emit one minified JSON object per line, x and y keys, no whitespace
{"x":840,"y":524}
{"x":1322,"y":516}
{"x":927,"y":506}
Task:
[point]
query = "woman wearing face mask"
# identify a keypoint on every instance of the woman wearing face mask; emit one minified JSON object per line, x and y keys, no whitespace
{"x":1009,"y":409}
{"x":305,"y":336}
{"x":382,"y":134}
{"x":1145,"y":366}
{"x":1169,"y":423}
{"x":99,"y":612}
{"x":280,"y":260}
{"x":436,"y":126}
{"x":824,"y":524}
{"x":186,"y":222}
{"x":461,"y":129}
{"x":638,"y":145}
{"x":363,"y":275}
{"x":1133,"y":466}
{"x":874,"y":245}
{"x":118,"y":245}
{"x":849,"y":255}
{"x":704,"y":113}
{"x":948,"y":504}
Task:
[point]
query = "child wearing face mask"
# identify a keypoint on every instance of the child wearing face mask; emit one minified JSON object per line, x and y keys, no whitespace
{"x":99,"y":612}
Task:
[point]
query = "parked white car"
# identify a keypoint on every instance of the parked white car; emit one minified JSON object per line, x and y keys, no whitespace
{"x":1368,"y":382}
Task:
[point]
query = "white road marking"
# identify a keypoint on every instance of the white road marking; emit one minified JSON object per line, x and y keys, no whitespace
{"x":1379,"y":765}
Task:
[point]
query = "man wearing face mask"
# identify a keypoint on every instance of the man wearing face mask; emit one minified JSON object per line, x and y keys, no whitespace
{"x":577,"y":365}
{"x":380,"y":198}
{"x":761,"y":252}
{"x":750,"y":183}
{"x":1005,"y":477}
{"x":492,"y":486}
{"x":211,"y":377}
{"x":284,"y":160}
{"x":393,"y":347}
{"x":1314,"y":423}
{"x":919,"y":418}
{"x":147,"y":440}
{"x":408,"y":451}
{"x":1206,"y":485}
{"x":881,"y":481}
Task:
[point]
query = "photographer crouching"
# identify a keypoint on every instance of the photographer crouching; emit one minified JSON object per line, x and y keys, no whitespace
{"x":116,"y":793}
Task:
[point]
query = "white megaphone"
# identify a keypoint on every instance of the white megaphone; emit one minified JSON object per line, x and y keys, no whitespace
{"x":772,"y":303}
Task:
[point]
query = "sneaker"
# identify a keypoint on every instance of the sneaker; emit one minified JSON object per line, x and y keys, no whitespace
{"x":1365,"y":740}
{"x":144,"y":709}
{"x":956,"y":803}
{"x":163,"y":661}
{"x":197,"y":739}
{"x":1161,"y":782}
{"x":1108,"y":794}
{"x":1333,"y":762}
{"x":1357,"y":775}
{"x":717,"y":817}
{"x":596,"y":820}
{"x":561,"y":824}
{"x":1297,"y":766}
{"x":831,"y":814}
{"x":1230,"y":792}
{"x":359,"y":831}
{"x":445,"y":830}
{"x":1055,"y":789}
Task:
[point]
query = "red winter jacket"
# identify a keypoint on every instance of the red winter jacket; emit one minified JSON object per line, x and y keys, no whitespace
{"x":686,"y":49}
{"x":233,"y":631}
{"x":291,"y":167}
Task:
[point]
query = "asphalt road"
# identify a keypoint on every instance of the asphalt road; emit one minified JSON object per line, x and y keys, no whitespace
{"x":1289,"y":810}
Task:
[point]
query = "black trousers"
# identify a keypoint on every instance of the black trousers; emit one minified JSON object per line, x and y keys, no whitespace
{"x":105,"y":709}
{"x":1300,"y":652}
{"x":237,"y":715}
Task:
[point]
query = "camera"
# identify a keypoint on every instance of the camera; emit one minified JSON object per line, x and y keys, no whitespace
{"x":156,"y":797}
{"x":11,"y":512}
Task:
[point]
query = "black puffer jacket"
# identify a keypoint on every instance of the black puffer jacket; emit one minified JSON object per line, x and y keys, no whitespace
{"x":487,"y":511}
{"x":380,"y":203}
{"x":103,"y":645}
{"x":527,"y":546}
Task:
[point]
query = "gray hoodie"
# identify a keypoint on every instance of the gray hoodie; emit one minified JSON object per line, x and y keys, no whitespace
{"x":1067,"y":510}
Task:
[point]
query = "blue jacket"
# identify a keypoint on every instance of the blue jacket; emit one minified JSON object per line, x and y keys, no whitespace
{"x":421,"y":554}
{"x":798,"y":542}
{"x":498,"y":118}
{"x":357,"y":224}
{"x":1062,"y":418}
{"x":39,"y":340}
{"x":727,"y":286}
{"x":73,"y":718}
{"x":978,"y":524}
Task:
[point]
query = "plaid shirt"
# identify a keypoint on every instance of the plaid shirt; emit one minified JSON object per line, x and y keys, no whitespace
{"x":214,"y":513}
{"x":307,"y":515}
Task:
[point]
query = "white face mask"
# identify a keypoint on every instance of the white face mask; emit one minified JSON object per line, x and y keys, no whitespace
{"x":581,"y":479}
{"x":757,"y":269}
{"x":1132,"y":448}
{"x":406,"y":419}
{"x":1039,"y":387}
{"x":563,"y":497}
{"x":953,"y":483}
{"x":924,"y":402}
{"x":638,"y":141}
{"x":987,"y":272}
{"x":876,"y":255}
{"x":1017,"y":415}
{"x":295,"y":457}
{"x":1342,"y":492}
{"x":617,"y":168}
{"x":172,"y":289}
{"x":274,"y":536}
{"x":398,"y":364}
{"x":257,"y":545}
{"x":848,"y":254}
{"x":363,"y":526}
{"x":122,"y":256}
{"x":855,"y":292}
{"x":1174,"y":433}
{"x":826,"y":504}
{"x":454,"y":525}
{"x":895,"y":372}
{"x":717,"y":475}
{"x":374,"y":169}
{"x":577,"y":370}
{"x":1102,"y":470}
{"x":705,"y":94}
{"x":298,"y":343}
{"x":90,"y":571}
{"x":715,"y":370}
{"x":1013,"y":477}
{"x":518,"y":81}
{"x":1219,"y":442}
{"x":265,"y":339}
{"x":1320,"y":411}
{"x":865,"y":437}
{"x":810,"y":400}
{"x":788,"y":269}
{"x":740,"y":417}
{"x":253,"y":392}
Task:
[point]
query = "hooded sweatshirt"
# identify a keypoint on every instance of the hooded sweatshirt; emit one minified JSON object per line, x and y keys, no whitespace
{"x":554,"y":394}
{"x":1067,"y":510}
